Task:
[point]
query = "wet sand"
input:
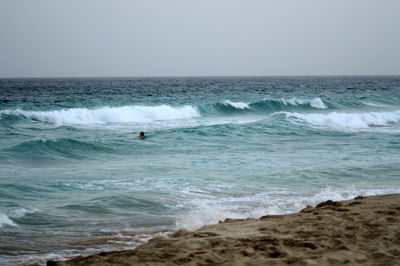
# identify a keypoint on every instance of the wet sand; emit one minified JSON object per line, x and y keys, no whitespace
{"x":364,"y":231}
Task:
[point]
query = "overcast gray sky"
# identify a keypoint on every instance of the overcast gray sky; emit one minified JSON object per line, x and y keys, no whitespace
{"x":51,"y":38}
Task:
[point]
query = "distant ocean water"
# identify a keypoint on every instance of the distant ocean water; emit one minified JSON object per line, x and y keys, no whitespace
{"x":76,"y":179}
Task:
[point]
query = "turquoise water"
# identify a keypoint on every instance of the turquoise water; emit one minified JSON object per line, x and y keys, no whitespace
{"x":75,"y":178}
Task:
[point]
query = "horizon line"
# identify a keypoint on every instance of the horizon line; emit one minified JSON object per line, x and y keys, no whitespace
{"x":200,"y":76}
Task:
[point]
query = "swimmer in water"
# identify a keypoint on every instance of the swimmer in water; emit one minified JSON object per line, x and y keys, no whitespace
{"x":141,"y":135}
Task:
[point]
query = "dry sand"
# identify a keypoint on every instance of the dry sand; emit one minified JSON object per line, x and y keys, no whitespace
{"x":363,"y":231}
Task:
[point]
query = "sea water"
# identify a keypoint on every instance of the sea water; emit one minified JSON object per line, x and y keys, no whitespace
{"x":75,"y":178}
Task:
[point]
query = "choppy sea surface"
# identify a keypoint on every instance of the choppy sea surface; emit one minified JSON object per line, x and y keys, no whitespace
{"x":76,"y":179}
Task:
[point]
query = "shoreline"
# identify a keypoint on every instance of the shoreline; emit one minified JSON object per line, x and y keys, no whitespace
{"x":365,"y":230}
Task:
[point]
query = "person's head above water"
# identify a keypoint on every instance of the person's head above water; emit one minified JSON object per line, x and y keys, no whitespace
{"x":141,"y":135}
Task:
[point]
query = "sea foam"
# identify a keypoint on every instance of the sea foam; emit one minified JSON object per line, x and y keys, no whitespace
{"x":239,"y":105}
{"x":316,"y":102}
{"x":104,"y":115}
{"x":21,"y":212}
{"x":211,"y":211}
{"x":343,"y":121}
{"x":5,"y":220}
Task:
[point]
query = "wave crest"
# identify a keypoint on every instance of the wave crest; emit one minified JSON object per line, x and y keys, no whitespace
{"x":289,"y":104}
{"x":315,"y":103}
{"x":5,"y":220}
{"x":124,"y":114}
{"x":239,"y":105}
{"x":151,"y":114}
{"x":346,"y":120}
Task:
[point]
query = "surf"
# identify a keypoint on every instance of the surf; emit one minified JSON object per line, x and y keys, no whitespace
{"x":104,"y":115}
{"x":345,"y":121}
{"x":142,"y":114}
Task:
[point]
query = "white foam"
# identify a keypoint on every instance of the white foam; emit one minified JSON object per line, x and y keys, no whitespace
{"x":124,"y":114}
{"x":375,"y":104}
{"x":211,"y":211}
{"x":239,"y":105}
{"x":18,"y":213}
{"x":204,"y":216}
{"x":346,"y":120}
{"x":5,"y":220}
{"x":316,"y":102}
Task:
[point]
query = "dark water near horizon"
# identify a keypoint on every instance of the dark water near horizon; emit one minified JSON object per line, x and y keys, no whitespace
{"x":76,"y":179}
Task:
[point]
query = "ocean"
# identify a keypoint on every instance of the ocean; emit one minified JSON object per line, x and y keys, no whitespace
{"x":75,"y":178}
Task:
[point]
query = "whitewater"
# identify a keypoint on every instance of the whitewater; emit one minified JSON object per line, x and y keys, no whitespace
{"x":76,"y":179}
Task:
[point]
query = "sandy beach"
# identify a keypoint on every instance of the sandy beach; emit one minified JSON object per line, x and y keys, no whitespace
{"x":364,"y":231}
{"x":199,"y":132}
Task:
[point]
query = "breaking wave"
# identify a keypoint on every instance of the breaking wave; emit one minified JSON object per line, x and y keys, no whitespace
{"x":346,"y":120}
{"x":239,"y":105}
{"x":265,"y":106}
{"x":5,"y":220}
{"x":296,"y":110}
{"x":315,"y":103}
{"x":124,"y":114}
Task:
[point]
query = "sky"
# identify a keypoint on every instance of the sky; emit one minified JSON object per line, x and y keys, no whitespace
{"x":99,"y":38}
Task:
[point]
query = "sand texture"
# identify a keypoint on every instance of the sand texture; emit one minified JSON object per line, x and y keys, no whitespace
{"x":363,"y":231}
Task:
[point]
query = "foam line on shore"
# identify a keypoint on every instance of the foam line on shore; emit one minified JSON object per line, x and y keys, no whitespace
{"x":211,"y":211}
